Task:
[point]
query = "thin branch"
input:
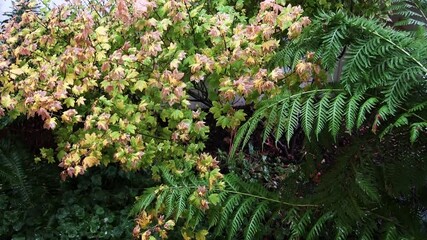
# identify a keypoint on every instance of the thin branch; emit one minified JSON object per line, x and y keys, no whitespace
{"x":191,"y":23}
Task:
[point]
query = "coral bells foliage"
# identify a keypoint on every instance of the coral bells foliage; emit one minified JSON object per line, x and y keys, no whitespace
{"x":112,"y":80}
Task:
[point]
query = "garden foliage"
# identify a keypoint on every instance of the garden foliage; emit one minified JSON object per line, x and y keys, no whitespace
{"x":114,"y":81}
{"x":134,"y":83}
{"x":38,"y":206}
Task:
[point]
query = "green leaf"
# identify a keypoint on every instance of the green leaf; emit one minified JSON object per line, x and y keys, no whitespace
{"x":130,"y":128}
{"x":307,"y":116}
{"x":214,"y":199}
{"x":255,"y":221}
{"x":351,"y":111}
{"x":365,"y":109}
{"x":322,"y":116}
{"x":177,"y":114}
{"x":294,"y":115}
{"x":335,"y":114}
{"x":69,"y":102}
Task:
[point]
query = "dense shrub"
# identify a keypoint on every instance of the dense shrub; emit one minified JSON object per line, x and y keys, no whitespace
{"x":143,"y":84}
{"x":38,"y":206}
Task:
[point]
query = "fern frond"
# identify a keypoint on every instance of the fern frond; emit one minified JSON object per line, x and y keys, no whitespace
{"x":12,"y":157}
{"x":357,"y":60}
{"x":418,"y":107}
{"x":159,"y":202}
{"x":351,"y":111}
{"x":195,"y":216}
{"x":281,"y":128}
{"x":414,"y":12}
{"x":182,"y":202}
{"x":322,"y":116}
{"x":269,"y":124}
{"x":335,"y":114}
{"x":226,"y":212}
{"x":292,"y":218}
{"x":366,"y":107}
{"x":170,"y":201}
{"x":303,"y":224}
{"x":255,"y":221}
{"x":168,"y":177}
{"x":369,"y":228}
{"x":252,"y":126}
{"x":144,"y":201}
{"x":401,"y":121}
{"x":333,"y":45}
{"x":238,"y":219}
{"x":293,"y":119}
{"x":317,"y":228}
{"x":307,"y":116}
{"x":416,"y":128}
{"x":342,"y":232}
{"x":399,"y":88}
{"x":391,"y":233}
{"x":367,"y":186}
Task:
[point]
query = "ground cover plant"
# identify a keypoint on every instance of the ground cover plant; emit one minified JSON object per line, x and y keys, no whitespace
{"x":227,"y":119}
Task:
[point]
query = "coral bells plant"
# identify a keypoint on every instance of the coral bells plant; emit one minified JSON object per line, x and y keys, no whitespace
{"x":114,"y":81}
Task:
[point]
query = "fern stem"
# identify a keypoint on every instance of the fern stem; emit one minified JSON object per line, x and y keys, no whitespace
{"x":398,"y":47}
{"x":421,"y":10}
{"x":252,"y":195}
{"x":271,"y":200}
{"x":298,"y":95}
{"x":387,"y":219}
{"x":414,"y":114}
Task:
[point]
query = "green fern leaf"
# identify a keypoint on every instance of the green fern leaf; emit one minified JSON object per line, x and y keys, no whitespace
{"x":366,"y":108}
{"x":307,"y":116}
{"x":281,"y":124}
{"x":415,"y":130}
{"x":253,"y":123}
{"x":418,"y":107}
{"x":239,"y":137}
{"x":367,"y":187}
{"x":238,"y":219}
{"x":182,"y":202}
{"x":316,"y":230}
{"x":292,"y":219}
{"x":168,"y":177}
{"x":335,"y":114}
{"x":391,"y":233}
{"x":322,"y":116}
{"x":227,"y":210}
{"x":357,"y":60}
{"x":351,"y":111}
{"x":12,"y":157}
{"x":170,"y":202}
{"x":215,"y":215}
{"x":294,"y":115}
{"x":333,"y":43}
{"x":144,"y":201}
{"x":254,"y":223}
{"x":301,"y":227}
{"x":269,"y":123}
{"x":342,"y":233}
{"x":401,"y":121}
{"x":195,"y":216}
{"x":160,"y":201}
{"x":400,"y":87}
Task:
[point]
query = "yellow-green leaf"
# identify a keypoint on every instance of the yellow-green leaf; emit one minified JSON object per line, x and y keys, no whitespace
{"x":201,"y":235}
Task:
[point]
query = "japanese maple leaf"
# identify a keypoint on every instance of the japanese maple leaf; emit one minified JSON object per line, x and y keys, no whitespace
{"x":142,"y":6}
